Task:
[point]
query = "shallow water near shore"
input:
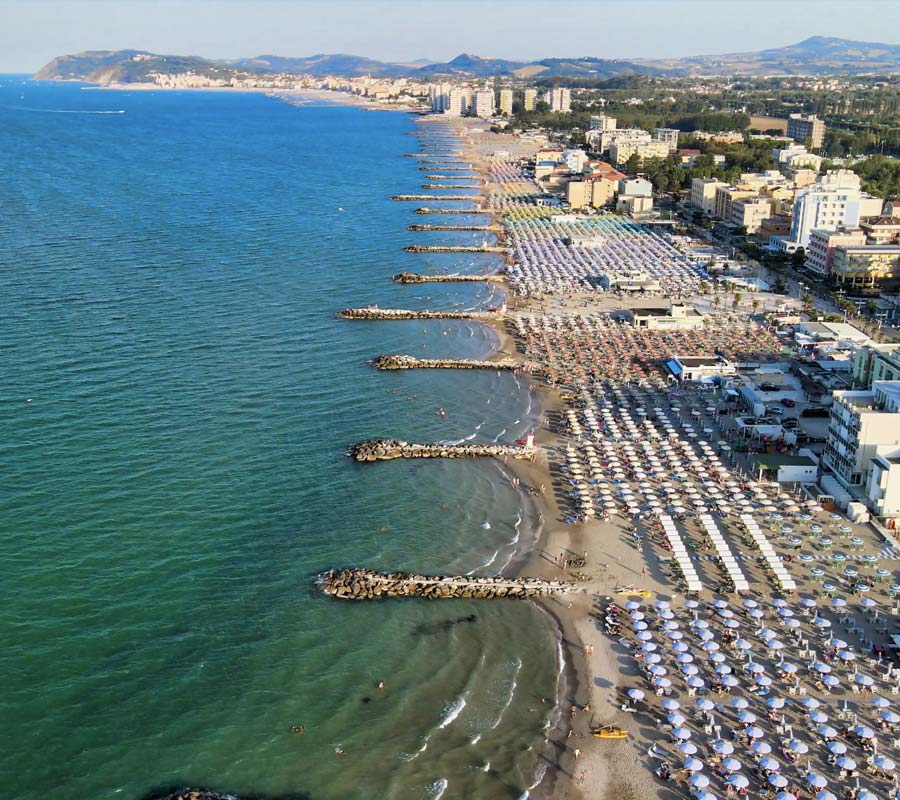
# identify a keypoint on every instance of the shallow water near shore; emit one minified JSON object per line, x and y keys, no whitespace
{"x":176,"y":399}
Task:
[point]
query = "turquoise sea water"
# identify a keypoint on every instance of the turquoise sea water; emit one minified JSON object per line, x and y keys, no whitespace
{"x":175,"y":399}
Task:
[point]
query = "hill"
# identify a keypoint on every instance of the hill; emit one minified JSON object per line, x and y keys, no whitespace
{"x":818,"y":55}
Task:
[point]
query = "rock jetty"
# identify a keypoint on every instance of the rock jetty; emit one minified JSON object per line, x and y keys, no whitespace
{"x":446,"y":169}
{"x":414,"y":277}
{"x":441,"y":197}
{"x":474,"y":210}
{"x":364,"y":584}
{"x":403,"y":313}
{"x":411,"y":362}
{"x":488,"y":228}
{"x":481,"y":248}
{"x":451,"y":185}
{"x":452,"y":177}
{"x":434,"y":156}
{"x":389,"y":449}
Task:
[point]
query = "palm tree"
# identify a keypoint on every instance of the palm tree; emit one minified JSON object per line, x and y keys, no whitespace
{"x":737,"y":300}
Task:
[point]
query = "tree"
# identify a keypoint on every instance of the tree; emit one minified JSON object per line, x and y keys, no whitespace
{"x":798,"y":258}
{"x":633,"y":164}
{"x":737,"y":300}
{"x":754,"y":304}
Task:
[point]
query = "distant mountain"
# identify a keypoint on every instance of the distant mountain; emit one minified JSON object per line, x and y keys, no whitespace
{"x":324,"y":64}
{"x":818,"y":55}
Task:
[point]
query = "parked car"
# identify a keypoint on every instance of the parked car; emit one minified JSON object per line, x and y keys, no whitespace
{"x":768,"y":387}
{"x":787,"y":402}
{"x":816,"y":411}
{"x":790,"y":424}
{"x":774,"y":411}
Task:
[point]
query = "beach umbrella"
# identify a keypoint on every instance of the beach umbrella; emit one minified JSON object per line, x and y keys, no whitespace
{"x":769,"y":764}
{"x":730,"y":681}
{"x":837,"y":748}
{"x":731,"y":764}
{"x":670,"y":704}
{"x":723,"y":669}
{"x":739,"y":703}
{"x":710,"y":646}
{"x":785,"y":796}
{"x":635,"y":694}
{"x":706,"y":796}
{"x":693,"y":764}
{"x":743,"y":644}
{"x":822,"y":667}
{"x":825,"y":795}
{"x":788,"y":667}
{"x":732,"y":624}
{"x":864,"y":732}
{"x":755,"y":668}
{"x":648,"y":647}
{"x":738,"y":781}
{"x":754,"y":732}
{"x":821,"y":622}
{"x":747,"y":717}
{"x":819,"y":717}
{"x":699,"y":781}
{"x":838,"y":602}
{"x":639,"y":626}
{"x":684,"y":658}
{"x":680,"y":647}
{"x":826,"y":732}
{"x":879,"y":702}
{"x":865,"y":794}
{"x":675,"y":719}
{"x":756,"y":613}
{"x":816,"y":781}
{"x":762,"y":680}
{"x":776,"y":702}
{"x":748,"y":603}
{"x":808,"y":602}
{"x":687,"y":748}
{"x":885,"y":763}
{"x":837,"y":644}
{"x":632,"y":605}
{"x":723,"y":747}
{"x":657,"y":670}
{"x":681,"y":733}
{"x":645,"y":636}
{"x":862,"y":680}
{"x":846,"y":655}
{"x":778,"y":781}
{"x":810,"y":703}
{"x":696,"y":683}
{"x":662,"y":683}
{"x":705,"y":704}
{"x":847,"y":763}
{"x":761,"y":748}
{"x":798,"y":747}
{"x":890,"y":717}
{"x":867,"y":602}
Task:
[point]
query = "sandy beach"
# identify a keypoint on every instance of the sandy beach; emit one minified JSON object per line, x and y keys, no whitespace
{"x":613,"y":563}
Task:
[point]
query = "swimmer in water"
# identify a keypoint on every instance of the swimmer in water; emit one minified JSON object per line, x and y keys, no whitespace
{"x":297,"y":729}
{"x":380,"y":684}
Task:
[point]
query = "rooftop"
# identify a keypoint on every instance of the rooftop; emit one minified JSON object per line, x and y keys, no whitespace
{"x":776,"y":460}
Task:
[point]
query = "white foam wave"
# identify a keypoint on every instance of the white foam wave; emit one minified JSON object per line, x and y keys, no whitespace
{"x":452,"y":711}
{"x":437,"y":789}
{"x":538,"y":777}
{"x":497,"y":437}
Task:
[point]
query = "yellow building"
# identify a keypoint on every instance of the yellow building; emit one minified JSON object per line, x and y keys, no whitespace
{"x":864,"y":269}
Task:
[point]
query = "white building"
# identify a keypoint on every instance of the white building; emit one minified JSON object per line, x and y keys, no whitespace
{"x":560,"y":100}
{"x":831,"y":203}
{"x":483,"y":103}
{"x":796,"y":156}
{"x":703,"y":193}
{"x":861,"y":422}
{"x":674,"y":317}
{"x":620,"y":152}
{"x":506,"y":101}
{"x":602,"y":123}
{"x":440,"y":96}
{"x":702,"y":369}
{"x":529,"y":98}
{"x":623,"y":136}
{"x":883,"y":487}
{"x":667,"y":135}
{"x":458,"y":101}
{"x":574,"y":159}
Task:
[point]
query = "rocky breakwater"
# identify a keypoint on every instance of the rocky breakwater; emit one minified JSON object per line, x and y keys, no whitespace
{"x":451,"y":185}
{"x":364,"y":584}
{"x":445,"y":169}
{"x":402,"y":313}
{"x":485,"y":228}
{"x":473,"y":210}
{"x":437,"y":248}
{"x":389,"y":449}
{"x":414,"y":277}
{"x":411,"y":362}
{"x":433,"y":197}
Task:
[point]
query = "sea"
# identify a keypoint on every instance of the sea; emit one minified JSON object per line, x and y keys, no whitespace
{"x":176,"y":398}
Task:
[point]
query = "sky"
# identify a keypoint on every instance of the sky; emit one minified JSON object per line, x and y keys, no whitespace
{"x":34,"y":31}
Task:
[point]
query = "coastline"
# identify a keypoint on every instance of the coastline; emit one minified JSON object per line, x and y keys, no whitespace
{"x":589,"y":674}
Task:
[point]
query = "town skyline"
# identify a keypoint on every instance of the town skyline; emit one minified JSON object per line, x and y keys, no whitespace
{"x":399,"y":31}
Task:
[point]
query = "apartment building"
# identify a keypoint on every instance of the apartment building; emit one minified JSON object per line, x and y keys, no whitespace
{"x":832,"y":202}
{"x":703,"y":193}
{"x":822,"y":245}
{"x":800,"y":128}
{"x":881,"y":230}
{"x":667,"y":135}
{"x":621,"y":151}
{"x":750,"y":213}
{"x":561,"y":100}
{"x":529,"y":98}
{"x":623,"y":136}
{"x":861,"y":422}
{"x":506,"y":102}
{"x":726,"y":197}
{"x":483,"y":103}
{"x":876,"y":362}
{"x":864,"y":269}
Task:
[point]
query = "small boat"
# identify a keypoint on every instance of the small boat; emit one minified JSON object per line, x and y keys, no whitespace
{"x":609,"y":732}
